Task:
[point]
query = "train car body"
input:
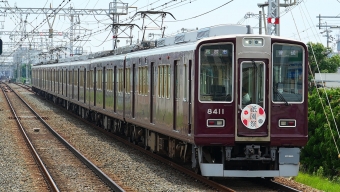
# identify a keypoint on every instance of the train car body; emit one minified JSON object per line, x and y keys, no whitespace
{"x":185,"y":98}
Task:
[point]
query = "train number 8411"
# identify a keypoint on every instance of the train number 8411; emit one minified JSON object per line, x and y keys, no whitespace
{"x":215,"y":111}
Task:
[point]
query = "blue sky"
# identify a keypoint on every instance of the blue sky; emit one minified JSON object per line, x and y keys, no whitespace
{"x":303,"y":28}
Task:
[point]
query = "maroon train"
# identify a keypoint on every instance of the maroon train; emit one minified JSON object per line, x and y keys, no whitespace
{"x":227,"y":102}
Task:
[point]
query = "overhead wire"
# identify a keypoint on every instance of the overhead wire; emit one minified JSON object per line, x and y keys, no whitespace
{"x":203,"y":13}
{"x":323,"y":107}
{"x":23,"y":38}
{"x":336,"y":126}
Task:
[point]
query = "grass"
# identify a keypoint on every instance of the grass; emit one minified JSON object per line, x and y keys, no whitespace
{"x":316,"y":182}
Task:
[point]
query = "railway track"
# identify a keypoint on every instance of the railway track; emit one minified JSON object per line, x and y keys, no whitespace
{"x":63,"y":167}
{"x":223,"y":184}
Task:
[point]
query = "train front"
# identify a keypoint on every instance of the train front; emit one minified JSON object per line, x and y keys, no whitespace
{"x":250,"y":109}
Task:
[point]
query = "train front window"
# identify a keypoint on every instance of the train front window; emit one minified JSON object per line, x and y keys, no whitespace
{"x":252,"y":90}
{"x":287,"y":73}
{"x":216,"y":72}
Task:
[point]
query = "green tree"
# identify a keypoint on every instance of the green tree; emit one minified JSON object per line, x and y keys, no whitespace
{"x":320,"y":150}
{"x":319,"y":54}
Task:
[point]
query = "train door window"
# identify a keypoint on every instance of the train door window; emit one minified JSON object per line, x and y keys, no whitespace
{"x":55,"y":79}
{"x":67,"y":81}
{"x":78,"y":86}
{"x":62,"y":81}
{"x":43,"y":78}
{"x":110,"y":80}
{"x":108,"y":76}
{"x":253,"y":83}
{"x":127,"y":80}
{"x":177,"y":80}
{"x":85,"y":84}
{"x":52,"y":79}
{"x":160,"y":81}
{"x":88,"y":76}
{"x":81,"y":78}
{"x":216,"y":73}
{"x":92,"y":79}
{"x":115,"y":89}
{"x":133,"y":89}
{"x":168,"y":81}
{"x":140,"y":80}
{"x":185,"y":88}
{"x":105,"y":79}
{"x":57,"y":83}
{"x":120,"y":80}
{"x":99,"y":79}
{"x":145,"y":80}
{"x":75,"y":78}
{"x":70,"y":80}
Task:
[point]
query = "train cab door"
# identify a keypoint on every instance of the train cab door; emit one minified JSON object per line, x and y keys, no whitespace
{"x":252,"y":102}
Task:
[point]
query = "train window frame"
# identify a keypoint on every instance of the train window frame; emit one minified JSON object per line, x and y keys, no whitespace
{"x":127,"y":80}
{"x":302,"y":77}
{"x":139,"y":80}
{"x":185,"y":86}
{"x":168,"y":81}
{"x":232,"y":82}
{"x":164,"y":81}
{"x":253,"y":90}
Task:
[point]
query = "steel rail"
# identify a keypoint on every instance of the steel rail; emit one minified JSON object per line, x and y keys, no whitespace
{"x":36,"y":157}
{"x":182,"y":169}
{"x":114,"y":186}
{"x":213,"y":184}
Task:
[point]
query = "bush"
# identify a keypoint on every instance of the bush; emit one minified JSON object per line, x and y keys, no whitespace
{"x":320,"y":155}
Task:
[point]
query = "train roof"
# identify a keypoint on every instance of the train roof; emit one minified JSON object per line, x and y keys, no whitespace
{"x":181,"y":42}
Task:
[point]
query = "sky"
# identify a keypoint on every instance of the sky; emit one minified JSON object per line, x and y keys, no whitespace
{"x":299,"y":23}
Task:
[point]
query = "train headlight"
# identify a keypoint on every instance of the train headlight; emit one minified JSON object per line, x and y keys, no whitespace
{"x":215,"y":122}
{"x":253,"y":42}
{"x":287,"y":123}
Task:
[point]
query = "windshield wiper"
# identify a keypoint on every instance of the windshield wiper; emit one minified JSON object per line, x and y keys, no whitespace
{"x":280,"y":96}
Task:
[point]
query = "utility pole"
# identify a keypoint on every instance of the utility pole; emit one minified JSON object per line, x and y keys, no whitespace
{"x":116,"y":9}
{"x":327,"y":31}
{"x":52,"y":12}
{"x":273,"y":18}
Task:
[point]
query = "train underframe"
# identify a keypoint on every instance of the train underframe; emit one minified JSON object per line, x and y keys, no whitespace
{"x":241,"y":160}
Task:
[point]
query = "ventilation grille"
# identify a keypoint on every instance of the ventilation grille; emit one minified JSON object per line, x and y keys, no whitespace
{"x":160,"y":42}
{"x":179,"y":38}
{"x":202,"y":33}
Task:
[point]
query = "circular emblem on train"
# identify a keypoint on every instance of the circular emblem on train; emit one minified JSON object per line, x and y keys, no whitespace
{"x":253,"y":116}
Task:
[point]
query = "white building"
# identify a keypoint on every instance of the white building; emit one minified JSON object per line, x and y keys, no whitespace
{"x":328,"y":79}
